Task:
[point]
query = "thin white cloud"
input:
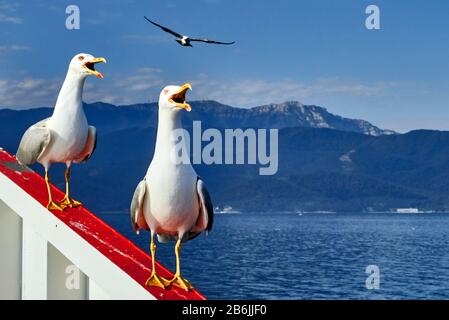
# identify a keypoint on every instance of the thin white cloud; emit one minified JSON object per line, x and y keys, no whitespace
{"x":149,"y":70}
{"x":13,"y":47}
{"x":28,"y":92}
{"x":145,"y":84}
{"x":143,"y":79}
{"x":7,"y":13}
{"x":247,"y":92}
{"x":33,"y":92}
{"x":10,"y":19}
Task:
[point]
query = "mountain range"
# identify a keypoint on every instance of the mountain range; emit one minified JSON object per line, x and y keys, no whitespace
{"x":326,"y":162}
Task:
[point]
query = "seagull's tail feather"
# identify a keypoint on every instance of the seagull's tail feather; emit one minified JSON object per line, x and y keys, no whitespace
{"x":193,"y":235}
{"x":164,"y":238}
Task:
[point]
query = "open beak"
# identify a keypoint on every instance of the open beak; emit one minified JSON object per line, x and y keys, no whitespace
{"x":90,"y":66}
{"x":179,"y":98}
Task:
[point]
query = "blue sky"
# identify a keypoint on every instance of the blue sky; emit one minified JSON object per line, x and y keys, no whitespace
{"x":316,"y":52}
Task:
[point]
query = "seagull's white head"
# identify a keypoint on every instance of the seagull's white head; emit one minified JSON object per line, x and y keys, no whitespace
{"x":83,"y":64}
{"x":174,"y":98}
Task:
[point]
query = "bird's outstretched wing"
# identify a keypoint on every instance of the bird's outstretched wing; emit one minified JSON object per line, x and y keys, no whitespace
{"x":210,"y":41}
{"x":34,"y":143}
{"x":137,"y":218}
{"x":90,"y":146}
{"x":164,"y":28}
{"x":206,"y":216}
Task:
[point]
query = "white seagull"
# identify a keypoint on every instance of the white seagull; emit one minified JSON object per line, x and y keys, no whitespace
{"x":171,"y":201}
{"x":185,"y":41}
{"x":66,"y":135}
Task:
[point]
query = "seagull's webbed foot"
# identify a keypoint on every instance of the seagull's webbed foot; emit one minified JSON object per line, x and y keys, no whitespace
{"x":180,"y":282}
{"x":157,"y":281}
{"x":51,"y":204}
{"x":69,"y":202}
{"x":54,"y":206}
{"x":154,"y":280}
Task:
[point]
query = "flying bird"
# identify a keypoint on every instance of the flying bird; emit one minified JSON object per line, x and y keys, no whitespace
{"x":66,"y":136}
{"x":172,"y":201}
{"x":185,"y":41}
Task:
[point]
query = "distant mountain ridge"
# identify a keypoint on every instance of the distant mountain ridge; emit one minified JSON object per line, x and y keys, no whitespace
{"x":215,"y":114}
{"x":326,"y":162}
{"x":295,"y":114}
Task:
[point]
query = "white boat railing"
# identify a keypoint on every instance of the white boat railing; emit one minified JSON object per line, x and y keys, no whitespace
{"x":44,"y":257}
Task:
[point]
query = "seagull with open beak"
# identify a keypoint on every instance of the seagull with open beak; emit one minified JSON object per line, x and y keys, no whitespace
{"x":172,"y":201}
{"x":66,"y":136}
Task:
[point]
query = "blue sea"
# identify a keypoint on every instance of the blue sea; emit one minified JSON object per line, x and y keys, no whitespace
{"x":313,"y":256}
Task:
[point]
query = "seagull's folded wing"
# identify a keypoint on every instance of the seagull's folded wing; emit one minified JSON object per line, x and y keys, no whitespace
{"x":206,"y":214}
{"x":137,"y":218}
{"x":34,"y":143}
{"x":90,"y":146}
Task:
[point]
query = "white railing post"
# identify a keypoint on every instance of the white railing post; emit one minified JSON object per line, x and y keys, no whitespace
{"x":10,"y":253}
{"x":34,"y":264}
{"x":65,"y":280}
{"x":96,"y":292}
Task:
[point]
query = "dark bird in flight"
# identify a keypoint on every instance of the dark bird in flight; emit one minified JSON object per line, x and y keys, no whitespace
{"x":185,"y":40}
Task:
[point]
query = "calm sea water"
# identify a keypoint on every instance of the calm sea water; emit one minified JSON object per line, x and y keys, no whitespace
{"x":313,"y":256}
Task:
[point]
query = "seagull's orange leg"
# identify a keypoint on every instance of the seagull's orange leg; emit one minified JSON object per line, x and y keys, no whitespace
{"x":51,"y":204}
{"x":154,"y":280}
{"x":68,"y":201}
{"x":178,"y":280}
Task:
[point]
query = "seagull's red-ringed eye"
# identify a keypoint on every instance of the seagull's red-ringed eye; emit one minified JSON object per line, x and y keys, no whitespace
{"x":165,"y":91}
{"x":80,"y":58}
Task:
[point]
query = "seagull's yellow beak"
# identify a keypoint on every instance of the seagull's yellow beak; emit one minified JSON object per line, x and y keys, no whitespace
{"x":90,"y":66}
{"x":179,"y":98}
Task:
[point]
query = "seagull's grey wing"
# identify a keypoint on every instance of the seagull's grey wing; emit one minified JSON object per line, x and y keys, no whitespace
{"x":164,"y":28}
{"x":206,"y":216}
{"x":90,"y":146}
{"x":34,"y":143}
{"x":137,"y":218}
{"x":210,"y":41}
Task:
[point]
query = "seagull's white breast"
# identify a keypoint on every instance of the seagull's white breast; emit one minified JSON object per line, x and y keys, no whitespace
{"x":68,"y":124}
{"x":172,"y":203}
{"x":70,"y":136}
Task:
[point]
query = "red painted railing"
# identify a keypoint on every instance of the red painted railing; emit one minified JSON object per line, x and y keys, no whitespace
{"x":118,"y":249}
